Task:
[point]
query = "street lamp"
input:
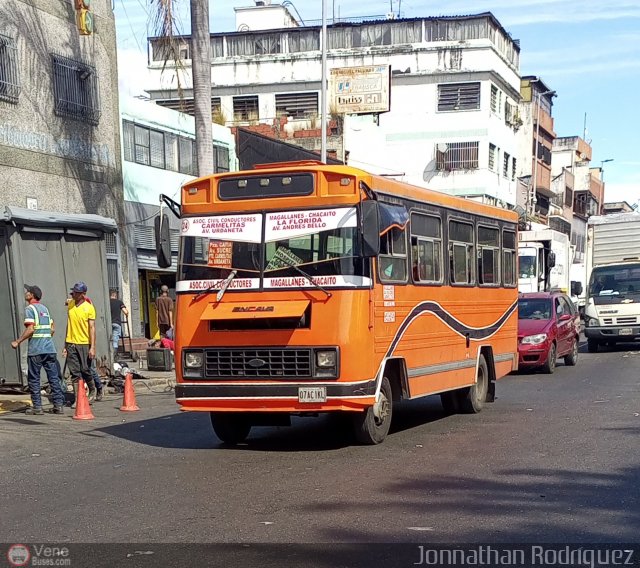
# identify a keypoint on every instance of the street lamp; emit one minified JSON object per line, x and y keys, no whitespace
{"x":602,"y":169}
{"x":534,"y":177}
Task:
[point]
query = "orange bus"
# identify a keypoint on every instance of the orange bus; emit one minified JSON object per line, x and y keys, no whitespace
{"x":306,"y":288}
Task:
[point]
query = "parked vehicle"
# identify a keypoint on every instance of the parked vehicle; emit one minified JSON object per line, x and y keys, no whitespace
{"x":544,"y":260}
{"x":612,"y":309}
{"x":548,"y":328}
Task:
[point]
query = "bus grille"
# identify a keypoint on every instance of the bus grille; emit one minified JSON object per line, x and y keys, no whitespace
{"x":265,"y":363}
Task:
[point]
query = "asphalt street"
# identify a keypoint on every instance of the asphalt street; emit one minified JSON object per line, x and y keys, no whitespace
{"x":554,"y":459}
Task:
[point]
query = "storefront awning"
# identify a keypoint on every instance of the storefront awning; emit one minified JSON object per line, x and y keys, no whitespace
{"x":255,"y":310}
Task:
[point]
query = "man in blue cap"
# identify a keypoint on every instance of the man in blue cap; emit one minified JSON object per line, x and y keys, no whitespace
{"x":41,"y":351}
{"x":80,"y":340}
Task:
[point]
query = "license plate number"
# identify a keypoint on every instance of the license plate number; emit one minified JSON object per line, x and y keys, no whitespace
{"x":312,"y":394}
{"x":626,"y":331}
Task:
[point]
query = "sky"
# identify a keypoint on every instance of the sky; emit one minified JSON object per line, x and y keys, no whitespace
{"x":587,"y":51}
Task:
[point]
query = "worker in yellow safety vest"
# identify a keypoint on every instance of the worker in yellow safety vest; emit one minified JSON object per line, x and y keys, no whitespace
{"x":41,"y":351}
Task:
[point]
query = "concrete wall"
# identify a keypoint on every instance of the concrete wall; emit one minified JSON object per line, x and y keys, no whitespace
{"x":57,"y":162}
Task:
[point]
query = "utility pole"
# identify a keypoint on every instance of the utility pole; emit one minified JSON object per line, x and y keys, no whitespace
{"x":323,"y":88}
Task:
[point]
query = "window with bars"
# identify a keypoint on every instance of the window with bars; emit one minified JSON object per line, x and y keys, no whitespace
{"x":187,"y":105}
{"x":495,"y":99}
{"x":514,"y":169}
{"x":492,"y":157}
{"x":457,"y":156}
{"x":245,"y":108}
{"x":297,"y":105}
{"x":505,"y":165}
{"x":9,"y":76}
{"x":221,"y":159}
{"x":75,"y":88}
{"x":458,"y":96}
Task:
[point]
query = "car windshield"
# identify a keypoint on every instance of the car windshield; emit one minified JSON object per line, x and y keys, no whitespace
{"x":615,"y":281}
{"x":534,"y":309}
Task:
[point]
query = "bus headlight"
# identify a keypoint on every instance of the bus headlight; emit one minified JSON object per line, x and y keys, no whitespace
{"x":326,"y":359}
{"x":193,"y":360}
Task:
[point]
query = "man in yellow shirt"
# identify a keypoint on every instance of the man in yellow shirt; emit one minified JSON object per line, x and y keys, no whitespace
{"x":80,"y":340}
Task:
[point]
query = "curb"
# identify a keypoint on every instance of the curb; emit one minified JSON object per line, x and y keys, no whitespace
{"x":14,"y":405}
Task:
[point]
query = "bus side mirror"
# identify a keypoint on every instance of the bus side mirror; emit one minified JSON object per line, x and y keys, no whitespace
{"x":551,"y":259}
{"x":370,"y":228}
{"x":163,"y":240}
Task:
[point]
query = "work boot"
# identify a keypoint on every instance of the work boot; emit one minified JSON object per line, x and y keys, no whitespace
{"x":92,"y":390}
{"x":75,"y":394}
{"x":34,"y":410}
{"x":98,"y":395}
{"x":58,"y":409}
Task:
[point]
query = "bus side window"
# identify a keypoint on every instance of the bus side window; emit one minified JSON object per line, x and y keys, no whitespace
{"x":392,"y":260}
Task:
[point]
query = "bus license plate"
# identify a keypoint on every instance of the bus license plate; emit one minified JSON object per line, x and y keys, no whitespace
{"x":312,"y":394}
{"x":626,"y":331}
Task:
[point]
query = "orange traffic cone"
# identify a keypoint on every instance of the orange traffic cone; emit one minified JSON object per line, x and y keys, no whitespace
{"x":129,"y":401}
{"x":83,"y":410}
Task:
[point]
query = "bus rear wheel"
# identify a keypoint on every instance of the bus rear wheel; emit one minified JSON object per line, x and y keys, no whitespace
{"x":471,"y":399}
{"x":232,"y":428}
{"x":372,"y":426}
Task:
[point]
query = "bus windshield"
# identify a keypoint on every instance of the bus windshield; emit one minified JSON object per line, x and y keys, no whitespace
{"x":273,"y":248}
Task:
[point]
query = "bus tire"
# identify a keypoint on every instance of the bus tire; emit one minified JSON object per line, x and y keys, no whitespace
{"x":592,"y":345}
{"x":232,"y":428}
{"x":371,"y":429}
{"x":472,"y":399}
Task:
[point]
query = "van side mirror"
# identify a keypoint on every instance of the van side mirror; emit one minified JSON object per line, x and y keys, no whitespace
{"x":163,"y":240}
{"x":576,"y":288}
{"x":370,"y":228}
{"x":551,"y":259}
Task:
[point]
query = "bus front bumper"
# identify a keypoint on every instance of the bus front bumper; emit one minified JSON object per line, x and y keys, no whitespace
{"x":276,"y":397}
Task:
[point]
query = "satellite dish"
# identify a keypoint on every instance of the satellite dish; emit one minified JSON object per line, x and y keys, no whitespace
{"x":243,"y":28}
{"x":442,"y":147}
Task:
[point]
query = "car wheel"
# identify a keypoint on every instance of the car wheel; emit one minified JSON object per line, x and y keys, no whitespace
{"x":572,"y":358}
{"x":372,"y":426}
{"x":592,"y":345}
{"x":550,"y":366}
{"x":230,"y":427}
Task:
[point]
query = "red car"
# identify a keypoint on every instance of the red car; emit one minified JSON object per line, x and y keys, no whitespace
{"x":548,"y":328}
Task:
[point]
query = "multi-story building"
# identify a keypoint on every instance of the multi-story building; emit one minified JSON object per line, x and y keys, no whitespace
{"x":158,"y":157}
{"x":60,"y":169}
{"x":571,"y":164}
{"x":534,"y":148}
{"x":454,"y":88}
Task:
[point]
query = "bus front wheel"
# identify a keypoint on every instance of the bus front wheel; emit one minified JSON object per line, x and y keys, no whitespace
{"x":372,"y":425}
{"x":231,"y":428}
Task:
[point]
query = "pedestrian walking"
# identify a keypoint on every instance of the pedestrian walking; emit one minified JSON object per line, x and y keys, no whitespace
{"x":164,"y":311}
{"x":80,"y":345}
{"x":117,"y":310}
{"x":41,"y":351}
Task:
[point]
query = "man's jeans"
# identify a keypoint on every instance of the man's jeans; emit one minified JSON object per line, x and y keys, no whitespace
{"x":49,"y":362}
{"x":94,"y":375}
{"x":116,"y":333}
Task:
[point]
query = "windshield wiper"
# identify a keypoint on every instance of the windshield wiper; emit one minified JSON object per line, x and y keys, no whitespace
{"x":223,"y":288}
{"x":307,"y":276}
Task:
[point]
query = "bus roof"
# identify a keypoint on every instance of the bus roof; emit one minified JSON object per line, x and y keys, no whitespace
{"x":379,"y":184}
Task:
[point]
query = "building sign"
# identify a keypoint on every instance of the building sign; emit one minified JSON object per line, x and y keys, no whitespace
{"x":237,"y":228}
{"x":289,"y":224}
{"x":220,"y":254}
{"x":360,"y":90}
